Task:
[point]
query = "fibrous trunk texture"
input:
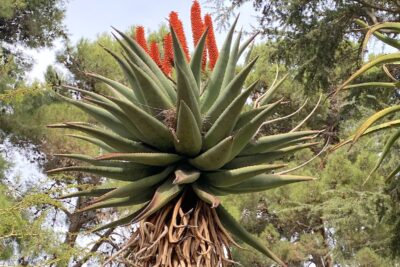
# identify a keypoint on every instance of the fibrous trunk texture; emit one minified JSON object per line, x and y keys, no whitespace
{"x":179,"y":236}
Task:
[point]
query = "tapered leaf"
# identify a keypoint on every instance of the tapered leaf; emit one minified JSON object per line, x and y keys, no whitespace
{"x":246,"y":133}
{"x":93,"y":141}
{"x":238,"y":230}
{"x":390,"y":58}
{"x":188,"y":136}
{"x":371,"y":120}
{"x":115,"y":141}
{"x":130,"y":76}
{"x":88,"y":193}
{"x":155,"y":98}
{"x":164,"y":194}
{"x":246,"y":116}
{"x":270,"y":92}
{"x":117,"y":173}
{"x":93,"y":161}
{"x":186,"y":176}
{"x":119,"y":114}
{"x":232,"y":90}
{"x":213,"y":87}
{"x":206,"y":195}
{"x":181,"y":63}
{"x":389,"y":144}
{"x":119,"y":87}
{"x":124,"y":220}
{"x":370,"y":130}
{"x":196,"y":61}
{"x":101,"y":115}
{"x":226,"y":178}
{"x":264,"y":182}
{"x":224,"y":125}
{"x":266,"y":157}
{"x":140,"y":198}
{"x":246,"y":44}
{"x":142,"y":54}
{"x":93,"y":95}
{"x":393,"y":173}
{"x":373,"y":85}
{"x":271,"y":142}
{"x":215,"y":157}
{"x":138,"y":187}
{"x":380,"y":26}
{"x":185,"y":94}
{"x":155,"y":132}
{"x":152,"y":159}
{"x":380,"y":36}
{"x":232,"y":62}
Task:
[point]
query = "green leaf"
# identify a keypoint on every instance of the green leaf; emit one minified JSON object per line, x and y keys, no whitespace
{"x":245,"y":117}
{"x":380,"y":26}
{"x":232,"y":62}
{"x":140,"y":198}
{"x":155,"y":132}
{"x":88,"y":193}
{"x":137,"y":187}
{"x":371,"y":120}
{"x":115,"y":141}
{"x":232,"y":90}
{"x":206,"y":195}
{"x":93,"y":141}
{"x":238,"y":230}
{"x":164,"y":194}
{"x":196,"y":61}
{"x":246,"y":133}
{"x":186,"y":176}
{"x":266,"y":157}
{"x":226,"y":121}
{"x":188,"y":136}
{"x":370,"y":130}
{"x":264,"y":182}
{"x":101,"y":115}
{"x":270,"y":92}
{"x":118,"y":173}
{"x":373,"y":85}
{"x":389,"y":144}
{"x":393,"y":173}
{"x":390,"y":58}
{"x":213,"y":87}
{"x":192,"y":90}
{"x":130,"y":76}
{"x":215,"y":157}
{"x":119,"y":87}
{"x":272,"y":142}
{"x":120,"y":115}
{"x":152,"y":158}
{"x":142,"y":54}
{"x":186,"y":94}
{"x":226,"y":178}
{"x":156,"y":99}
{"x":124,"y":220}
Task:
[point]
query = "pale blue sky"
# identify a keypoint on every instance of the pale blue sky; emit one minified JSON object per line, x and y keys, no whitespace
{"x":88,"y":18}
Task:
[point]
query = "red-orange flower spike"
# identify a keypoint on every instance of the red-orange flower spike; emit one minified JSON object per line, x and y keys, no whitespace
{"x":155,"y":53}
{"x":140,"y":38}
{"x":211,"y":43}
{"x":197,"y":28}
{"x":177,"y":25}
{"x":168,"y":54}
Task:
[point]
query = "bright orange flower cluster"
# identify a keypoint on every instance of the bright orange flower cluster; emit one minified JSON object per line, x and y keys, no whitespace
{"x":198,"y":28}
{"x":211,"y":43}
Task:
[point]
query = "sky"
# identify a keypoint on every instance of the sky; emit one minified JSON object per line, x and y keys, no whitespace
{"x":89,"y":18}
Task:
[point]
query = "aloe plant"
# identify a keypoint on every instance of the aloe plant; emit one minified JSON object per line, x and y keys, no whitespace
{"x":178,"y":145}
{"x":367,"y":126}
